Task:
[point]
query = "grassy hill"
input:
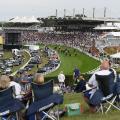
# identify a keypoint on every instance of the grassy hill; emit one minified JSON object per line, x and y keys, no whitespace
{"x":70,"y":58}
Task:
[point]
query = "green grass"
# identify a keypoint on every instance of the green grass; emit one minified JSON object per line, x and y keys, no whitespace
{"x":7,"y":55}
{"x":86,"y":115}
{"x":82,"y":61}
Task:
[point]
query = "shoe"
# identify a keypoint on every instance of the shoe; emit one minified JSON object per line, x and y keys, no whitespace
{"x":92,"y":109}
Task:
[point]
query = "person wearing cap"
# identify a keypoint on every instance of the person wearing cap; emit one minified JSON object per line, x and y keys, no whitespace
{"x":76,"y":74}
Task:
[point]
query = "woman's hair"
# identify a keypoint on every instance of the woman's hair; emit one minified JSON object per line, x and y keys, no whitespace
{"x":4,"y":82}
{"x":11,"y":78}
{"x":39,"y":79}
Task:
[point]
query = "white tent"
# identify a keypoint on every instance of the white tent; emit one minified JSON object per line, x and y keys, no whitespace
{"x":115,"y":58}
{"x":24,"y":20}
{"x":113,"y":38}
{"x":33,"y":47}
{"x":106,"y":28}
{"x":114,"y":34}
{"x":116,"y":55}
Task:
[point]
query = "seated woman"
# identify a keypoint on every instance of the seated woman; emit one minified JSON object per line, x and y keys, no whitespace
{"x":6,"y":81}
{"x":39,"y":79}
{"x":44,"y":98}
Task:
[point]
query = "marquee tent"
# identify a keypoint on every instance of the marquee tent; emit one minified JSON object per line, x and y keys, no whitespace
{"x":24,"y":20}
{"x":115,"y":58}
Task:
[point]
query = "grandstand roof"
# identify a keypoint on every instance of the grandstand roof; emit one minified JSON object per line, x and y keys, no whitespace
{"x":116,"y":55}
{"x":24,"y":20}
{"x":106,"y":28}
{"x":115,"y":34}
{"x":0,"y":28}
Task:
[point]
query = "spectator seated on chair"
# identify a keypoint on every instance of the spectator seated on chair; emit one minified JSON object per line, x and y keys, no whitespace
{"x":106,"y":85}
{"x":8,"y":104}
{"x":16,"y":86}
{"x":80,"y":85}
{"x":95,"y":93}
{"x":39,"y":79}
{"x":43,"y":98}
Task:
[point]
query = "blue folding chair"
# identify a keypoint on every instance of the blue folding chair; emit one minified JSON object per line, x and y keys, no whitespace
{"x":106,"y":93}
{"x":8,"y":104}
{"x":44,"y":99}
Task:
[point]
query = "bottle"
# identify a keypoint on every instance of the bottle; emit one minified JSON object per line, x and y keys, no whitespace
{"x":81,"y":108}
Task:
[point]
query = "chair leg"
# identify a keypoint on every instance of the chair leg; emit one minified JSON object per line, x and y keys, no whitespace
{"x":58,"y":113}
{"x":111,"y":104}
{"x":17,"y":118}
{"x":101,"y":107}
{"x":48,"y":116}
{"x":13,"y":115}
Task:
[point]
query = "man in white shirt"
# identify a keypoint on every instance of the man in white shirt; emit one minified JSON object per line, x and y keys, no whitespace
{"x":16,"y":86}
{"x":92,"y":83}
{"x":17,"y":89}
{"x":104,"y":70}
{"x":61,"y":79}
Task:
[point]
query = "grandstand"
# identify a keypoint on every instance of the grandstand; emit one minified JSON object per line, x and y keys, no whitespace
{"x":13,"y":29}
{"x":72,"y":24}
{"x":86,"y":35}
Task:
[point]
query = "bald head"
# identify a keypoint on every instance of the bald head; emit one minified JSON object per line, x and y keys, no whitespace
{"x":105,"y":65}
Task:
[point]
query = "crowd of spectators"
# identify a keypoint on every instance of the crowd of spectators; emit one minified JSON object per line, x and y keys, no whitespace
{"x":83,"y":40}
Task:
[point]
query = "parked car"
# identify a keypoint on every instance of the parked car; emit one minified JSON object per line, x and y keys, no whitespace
{"x":16,"y":63}
{"x":9,"y":63}
{"x":7,"y":71}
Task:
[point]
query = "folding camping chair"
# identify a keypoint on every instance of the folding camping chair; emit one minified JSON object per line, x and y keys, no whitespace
{"x":106,"y":86}
{"x":44,"y":99}
{"x":9,"y":106}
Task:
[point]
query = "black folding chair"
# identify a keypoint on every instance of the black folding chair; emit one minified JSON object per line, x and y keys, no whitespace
{"x":106,"y":85}
{"x":44,"y":99}
{"x":8,"y":104}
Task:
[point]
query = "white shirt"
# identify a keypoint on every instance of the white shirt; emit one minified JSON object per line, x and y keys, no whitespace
{"x":93,"y":81}
{"x":17,"y":89}
{"x":61,"y":77}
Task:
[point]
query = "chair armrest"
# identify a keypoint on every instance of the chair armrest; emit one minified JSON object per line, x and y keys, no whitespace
{"x":89,"y":89}
{"x":4,"y":113}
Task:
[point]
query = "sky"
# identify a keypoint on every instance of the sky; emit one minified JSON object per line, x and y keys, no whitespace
{"x":44,"y":8}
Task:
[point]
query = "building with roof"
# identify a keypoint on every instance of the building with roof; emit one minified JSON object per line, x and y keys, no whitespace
{"x":24,"y":20}
{"x":115,"y":58}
